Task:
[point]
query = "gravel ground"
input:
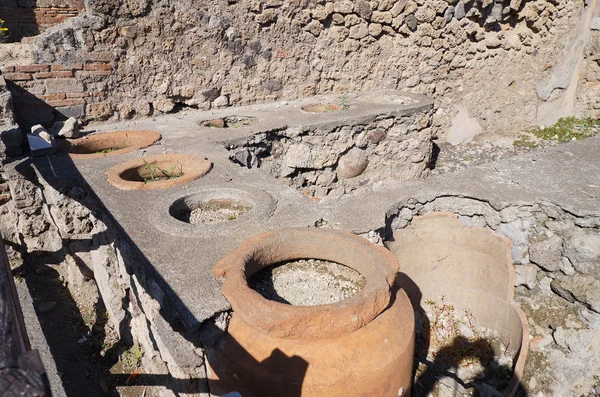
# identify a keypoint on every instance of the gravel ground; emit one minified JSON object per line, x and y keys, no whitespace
{"x":307,"y":282}
{"x":217,"y":213}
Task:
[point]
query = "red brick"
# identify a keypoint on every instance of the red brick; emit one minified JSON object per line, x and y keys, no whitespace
{"x":65,"y":73}
{"x":77,"y":94}
{"x":42,"y":75}
{"x":17,"y":76}
{"x":7,"y":69}
{"x":66,"y":102}
{"x":54,"y":97}
{"x":98,"y":66}
{"x":33,"y":68}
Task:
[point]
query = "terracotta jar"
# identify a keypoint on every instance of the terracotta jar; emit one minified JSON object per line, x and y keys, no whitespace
{"x":361,"y":346}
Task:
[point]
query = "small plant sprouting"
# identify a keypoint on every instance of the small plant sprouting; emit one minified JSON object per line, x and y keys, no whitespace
{"x":153,"y":173}
{"x":3,"y":32}
{"x":344,"y":102}
{"x":525,"y":141}
{"x":111,"y":149}
{"x":568,"y":129}
{"x":132,"y":358}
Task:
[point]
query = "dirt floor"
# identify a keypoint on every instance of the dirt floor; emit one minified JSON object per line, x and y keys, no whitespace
{"x":90,"y":358}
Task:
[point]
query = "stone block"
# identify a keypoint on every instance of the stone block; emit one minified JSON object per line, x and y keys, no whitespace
{"x":547,"y":253}
{"x":76,"y":111}
{"x":584,"y":289}
{"x":55,"y":86}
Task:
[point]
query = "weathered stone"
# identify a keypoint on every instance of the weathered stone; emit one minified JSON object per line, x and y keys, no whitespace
{"x":459,"y":10}
{"x":298,"y":156}
{"x":320,"y":13}
{"x":137,"y":7}
{"x":143,"y":108}
{"x":425,"y":14}
{"x":352,"y":164}
{"x":221,"y":102}
{"x":411,"y":22}
{"x":59,"y":86}
{"x":517,"y":232}
{"x":363,"y":9}
{"x":566,"y":267}
{"x":581,"y":288}
{"x":99,"y":111}
{"x":76,"y":111}
{"x":583,"y":250}
{"x":67,"y":129}
{"x":398,"y":8}
{"x":449,"y":14}
{"x":375,"y":29}
{"x":338,"y":19}
{"x":164,"y":105}
{"x":343,"y":6}
{"x":315,"y":27}
{"x":384,"y":17}
{"x":526,"y":275}
{"x":266,"y":17}
{"x":492,"y":41}
{"x":515,"y":4}
{"x":128,"y":31}
{"x":547,"y":253}
{"x":359,"y":31}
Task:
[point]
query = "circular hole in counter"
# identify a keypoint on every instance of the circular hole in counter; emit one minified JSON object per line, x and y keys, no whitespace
{"x":158,"y":172}
{"x":228,"y":122}
{"x":321,"y":108}
{"x":111,"y":143}
{"x":194,"y":210}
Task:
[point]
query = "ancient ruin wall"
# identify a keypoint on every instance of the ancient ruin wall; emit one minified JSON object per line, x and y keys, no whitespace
{"x":486,"y":56}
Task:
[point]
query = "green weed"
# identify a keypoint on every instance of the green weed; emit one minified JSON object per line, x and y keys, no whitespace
{"x":568,"y":129}
{"x":153,"y":173}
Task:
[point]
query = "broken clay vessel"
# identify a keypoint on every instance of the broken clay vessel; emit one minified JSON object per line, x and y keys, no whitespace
{"x":472,"y":269}
{"x":361,"y":346}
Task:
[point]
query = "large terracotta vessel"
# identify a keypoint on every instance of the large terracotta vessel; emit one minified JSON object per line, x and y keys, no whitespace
{"x":361,"y":346}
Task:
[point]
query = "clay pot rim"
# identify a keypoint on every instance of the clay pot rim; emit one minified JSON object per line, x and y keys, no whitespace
{"x":140,"y":139}
{"x":376,"y":264}
{"x":200,"y":166}
{"x":334,"y":108}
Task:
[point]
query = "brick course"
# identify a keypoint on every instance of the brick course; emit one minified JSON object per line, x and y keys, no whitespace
{"x":46,"y":89}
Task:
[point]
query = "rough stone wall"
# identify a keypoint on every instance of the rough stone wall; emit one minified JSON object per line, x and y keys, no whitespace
{"x":556,"y":256}
{"x":588,"y":99}
{"x":483,"y":55}
{"x":330,"y":162}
